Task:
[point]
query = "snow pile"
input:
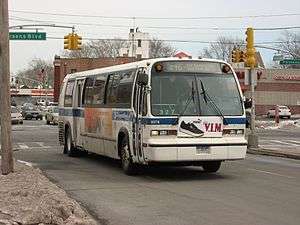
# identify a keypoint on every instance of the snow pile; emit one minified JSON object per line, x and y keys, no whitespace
{"x":28,"y":197}
{"x":283,"y":124}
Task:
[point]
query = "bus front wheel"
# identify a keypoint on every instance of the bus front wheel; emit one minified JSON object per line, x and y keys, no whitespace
{"x":211,"y":166}
{"x":128,"y":166}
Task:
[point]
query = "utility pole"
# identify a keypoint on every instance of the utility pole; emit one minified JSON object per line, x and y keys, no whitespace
{"x":7,"y":163}
{"x":250,"y":63}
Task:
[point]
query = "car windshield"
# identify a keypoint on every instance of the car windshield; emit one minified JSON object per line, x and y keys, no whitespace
{"x":283,"y":107}
{"x":55,"y":109}
{"x":195,"y":94}
{"x":14,"y":110}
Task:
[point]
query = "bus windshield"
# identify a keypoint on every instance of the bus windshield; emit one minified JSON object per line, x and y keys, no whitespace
{"x":191,"y":94}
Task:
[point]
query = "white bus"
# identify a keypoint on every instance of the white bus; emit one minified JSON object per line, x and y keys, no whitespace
{"x":169,"y":110}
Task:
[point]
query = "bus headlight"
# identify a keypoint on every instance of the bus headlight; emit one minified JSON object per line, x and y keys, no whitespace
{"x":233,"y":132}
{"x":163,"y":132}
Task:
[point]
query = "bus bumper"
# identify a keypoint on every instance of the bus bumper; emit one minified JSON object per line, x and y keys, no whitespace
{"x":194,"y":153}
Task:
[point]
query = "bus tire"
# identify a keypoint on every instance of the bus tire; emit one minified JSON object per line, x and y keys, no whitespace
{"x":211,"y":166}
{"x":69,"y":147}
{"x":128,"y":166}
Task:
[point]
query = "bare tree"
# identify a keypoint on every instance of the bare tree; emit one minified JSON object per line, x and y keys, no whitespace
{"x":290,"y":46}
{"x":38,"y":71}
{"x":159,"y":48}
{"x":98,"y":49}
{"x":222,"y":48}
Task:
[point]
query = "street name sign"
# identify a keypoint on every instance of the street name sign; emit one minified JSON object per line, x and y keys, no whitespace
{"x":289,"y":62}
{"x":277,"y":57}
{"x":34,"y":36}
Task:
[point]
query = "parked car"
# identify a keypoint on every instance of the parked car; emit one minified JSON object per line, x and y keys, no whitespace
{"x":283,"y":111}
{"x":51,"y":115}
{"x":31,"y":112}
{"x":16,"y":116}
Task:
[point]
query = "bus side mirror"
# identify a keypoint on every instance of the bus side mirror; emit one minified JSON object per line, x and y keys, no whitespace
{"x":142,"y":79}
{"x":248,"y":103}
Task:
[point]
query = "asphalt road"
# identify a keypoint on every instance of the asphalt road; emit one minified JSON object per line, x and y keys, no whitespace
{"x":259,"y":190}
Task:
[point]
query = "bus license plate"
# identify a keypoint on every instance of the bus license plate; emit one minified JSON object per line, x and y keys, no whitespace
{"x":202,"y":149}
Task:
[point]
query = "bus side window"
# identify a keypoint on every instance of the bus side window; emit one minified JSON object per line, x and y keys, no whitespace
{"x":124,"y":89}
{"x":99,"y":87}
{"x":69,"y":94}
{"x":113,"y":83}
{"x":88,"y":91}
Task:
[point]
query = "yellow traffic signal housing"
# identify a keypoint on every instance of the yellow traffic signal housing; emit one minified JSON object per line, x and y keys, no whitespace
{"x":67,"y":41}
{"x":250,"y":50}
{"x":77,"y":42}
{"x":235,"y":55}
{"x":72,"y":41}
{"x":243,"y":56}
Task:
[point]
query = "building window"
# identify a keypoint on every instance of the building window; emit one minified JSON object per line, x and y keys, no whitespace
{"x":73,"y":70}
{"x":139,"y":43}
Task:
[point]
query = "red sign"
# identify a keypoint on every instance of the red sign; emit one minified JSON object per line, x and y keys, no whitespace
{"x":287,"y":77}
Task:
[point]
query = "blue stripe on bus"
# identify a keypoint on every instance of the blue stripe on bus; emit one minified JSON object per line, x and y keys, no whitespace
{"x":174,"y":121}
{"x":237,"y":120}
{"x":71,"y":112}
{"x":122,"y":115}
{"x":128,"y":116}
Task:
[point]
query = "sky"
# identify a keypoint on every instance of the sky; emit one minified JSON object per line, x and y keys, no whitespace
{"x":89,"y":20}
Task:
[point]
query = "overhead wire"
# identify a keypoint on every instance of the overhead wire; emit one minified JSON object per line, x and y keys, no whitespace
{"x":157,"y":18}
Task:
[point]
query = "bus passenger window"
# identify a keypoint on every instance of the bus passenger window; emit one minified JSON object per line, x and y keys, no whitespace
{"x":113,"y":83}
{"x":69,"y":94}
{"x":98,"y":90}
{"x":88,"y":91}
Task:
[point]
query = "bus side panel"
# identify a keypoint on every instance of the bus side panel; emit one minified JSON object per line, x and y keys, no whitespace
{"x":122,"y":122}
{"x":98,"y":131}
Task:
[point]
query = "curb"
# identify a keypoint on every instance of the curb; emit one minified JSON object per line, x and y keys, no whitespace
{"x":269,"y":152}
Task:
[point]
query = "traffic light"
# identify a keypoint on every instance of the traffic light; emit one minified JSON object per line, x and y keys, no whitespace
{"x":67,"y":41}
{"x":77,"y":42}
{"x":235,"y":55}
{"x":250,"y":50}
{"x":243,"y":56}
{"x":72,"y":41}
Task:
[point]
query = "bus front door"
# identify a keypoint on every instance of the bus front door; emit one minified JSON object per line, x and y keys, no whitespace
{"x":139,"y":104}
{"x":78,"y":120}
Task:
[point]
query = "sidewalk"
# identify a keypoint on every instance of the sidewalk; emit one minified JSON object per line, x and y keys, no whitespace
{"x":287,"y":153}
{"x":285,"y":125}
{"x":28,"y":197}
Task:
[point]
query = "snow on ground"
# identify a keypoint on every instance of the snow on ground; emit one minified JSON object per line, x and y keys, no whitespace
{"x":283,"y":124}
{"x":28,"y":197}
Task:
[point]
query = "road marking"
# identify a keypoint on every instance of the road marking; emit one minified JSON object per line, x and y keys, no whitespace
{"x":285,"y":143}
{"x":271,"y":173}
{"x":296,"y":142}
{"x":23,"y":146}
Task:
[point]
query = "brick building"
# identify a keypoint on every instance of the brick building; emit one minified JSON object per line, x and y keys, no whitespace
{"x":275,"y":87}
{"x":64,"y":66}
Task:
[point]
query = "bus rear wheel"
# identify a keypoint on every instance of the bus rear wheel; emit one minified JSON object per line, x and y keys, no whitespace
{"x":211,"y":166}
{"x":128,"y":166}
{"x":69,"y":147}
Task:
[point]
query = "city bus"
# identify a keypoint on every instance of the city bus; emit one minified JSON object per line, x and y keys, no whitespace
{"x":158,"y":111}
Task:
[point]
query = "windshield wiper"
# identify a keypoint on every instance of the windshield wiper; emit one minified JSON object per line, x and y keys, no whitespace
{"x":192,"y":97}
{"x":207,"y":97}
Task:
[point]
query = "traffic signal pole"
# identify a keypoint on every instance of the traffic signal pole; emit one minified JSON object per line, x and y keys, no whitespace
{"x":251,"y":63}
{"x":7,"y":163}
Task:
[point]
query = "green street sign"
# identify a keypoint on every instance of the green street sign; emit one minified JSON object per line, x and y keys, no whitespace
{"x":289,"y":62}
{"x":34,"y":36}
{"x":277,"y":57}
